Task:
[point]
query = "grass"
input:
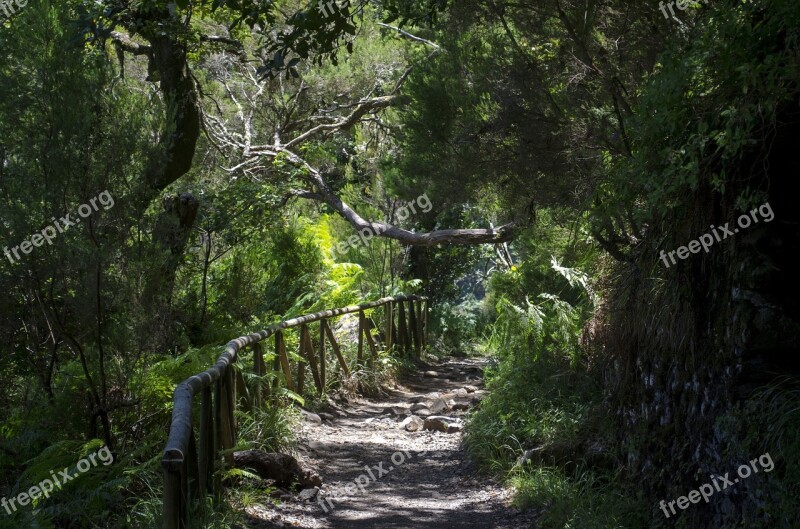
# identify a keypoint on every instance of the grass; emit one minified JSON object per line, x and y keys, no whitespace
{"x":552,"y":410}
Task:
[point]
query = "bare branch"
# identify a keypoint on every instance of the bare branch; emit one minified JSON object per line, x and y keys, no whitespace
{"x":381,"y":229}
{"x":410,"y":36}
{"x":362,"y":108}
{"x":124,"y":41}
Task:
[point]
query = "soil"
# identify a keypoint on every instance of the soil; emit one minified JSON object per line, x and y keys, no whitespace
{"x":416,"y":479}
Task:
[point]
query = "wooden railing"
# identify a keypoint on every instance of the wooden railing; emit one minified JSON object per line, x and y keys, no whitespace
{"x":190,"y":467}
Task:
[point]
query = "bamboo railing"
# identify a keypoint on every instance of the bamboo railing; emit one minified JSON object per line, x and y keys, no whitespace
{"x":191,"y":462}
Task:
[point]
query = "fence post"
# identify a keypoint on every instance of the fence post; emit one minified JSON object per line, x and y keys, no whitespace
{"x":205,"y":462}
{"x":370,"y":340}
{"x":425,"y":323}
{"x":402,"y":332}
{"x":307,"y":347}
{"x":412,"y":323}
{"x":388,"y":313}
{"x":280,"y":350}
{"x":260,"y":370}
{"x":360,"y":356}
{"x":322,"y":360}
{"x":217,"y":441}
{"x":336,"y":350}
{"x":301,"y":369}
{"x":173,"y":506}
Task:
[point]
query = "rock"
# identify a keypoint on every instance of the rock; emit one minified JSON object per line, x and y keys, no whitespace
{"x":418,"y":406}
{"x":308,"y":494}
{"x":444,"y":418}
{"x":424,"y":412}
{"x":478,"y":397}
{"x":470,"y":389}
{"x":453,"y":428}
{"x":435,"y":424}
{"x":416,"y":400}
{"x":326,"y":416}
{"x":461,"y":406}
{"x":438,"y":406}
{"x":283,"y":469}
{"x":439,"y":423}
{"x":412,"y":424}
{"x":397,"y":411}
{"x":311,"y":417}
{"x":450,"y":403}
{"x":462,"y":392}
{"x":430,"y":374}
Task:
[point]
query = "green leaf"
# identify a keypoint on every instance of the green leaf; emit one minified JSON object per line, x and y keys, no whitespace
{"x":292,"y":395}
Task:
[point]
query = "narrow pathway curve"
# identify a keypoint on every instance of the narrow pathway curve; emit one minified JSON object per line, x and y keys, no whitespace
{"x":398,"y":479}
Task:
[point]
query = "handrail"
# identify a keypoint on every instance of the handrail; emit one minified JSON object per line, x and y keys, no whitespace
{"x":181,"y":435}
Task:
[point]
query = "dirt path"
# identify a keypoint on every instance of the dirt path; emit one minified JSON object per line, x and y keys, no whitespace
{"x":397,"y":479}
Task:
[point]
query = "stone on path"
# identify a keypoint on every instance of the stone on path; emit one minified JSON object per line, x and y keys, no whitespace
{"x":311,"y":417}
{"x":438,"y":406}
{"x":308,"y":494}
{"x":440,"y":423}
{"x":412,"y":424}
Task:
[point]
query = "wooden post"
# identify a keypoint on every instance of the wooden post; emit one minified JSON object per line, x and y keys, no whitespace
{"x":402,"y":333}
{"x":205,"y":464}
{"x":371,"y":341}
{"x":260,"y":369}
{"x":413,"y":327}
{"x":389,"y":315}
{"x":280,"y":350}
{"x":336,"y":350}
{"x":310,"y":354}
{"x":301,"y":370}
{"x":173,"y":507}
{"x":425,"y":323}
{"x":243,"y":395}
{"x":232,"y":408}
{"x":217,"y":441}
{"x":322,"y":360}
{"x":227,"y":440}
{"x":192,"y":489}
{"x":276,"y":368}
{"x":360,"y":337}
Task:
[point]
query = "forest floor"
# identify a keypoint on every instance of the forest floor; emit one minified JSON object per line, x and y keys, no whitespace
{"x":417,"y":479}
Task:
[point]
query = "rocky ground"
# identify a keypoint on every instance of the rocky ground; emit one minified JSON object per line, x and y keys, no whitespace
{"x":397,"y":462}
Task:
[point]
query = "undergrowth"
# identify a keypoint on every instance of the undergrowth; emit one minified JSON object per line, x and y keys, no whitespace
{"x":541,"y":427}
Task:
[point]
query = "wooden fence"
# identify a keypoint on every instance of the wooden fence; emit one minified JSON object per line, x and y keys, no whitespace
{"x":192,"y":457}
